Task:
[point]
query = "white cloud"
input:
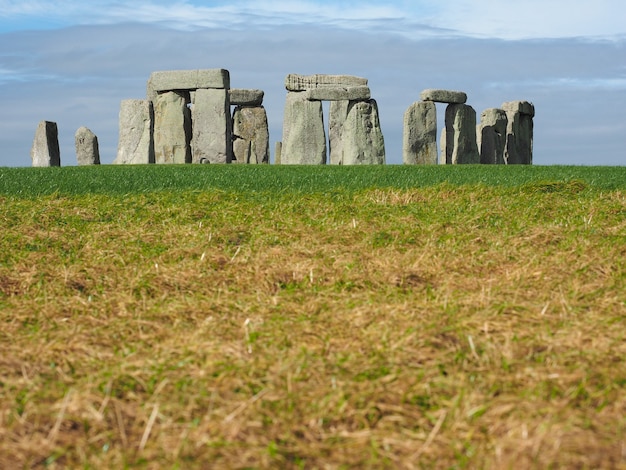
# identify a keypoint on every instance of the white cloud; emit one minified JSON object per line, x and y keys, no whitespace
{"x":476,"y":18}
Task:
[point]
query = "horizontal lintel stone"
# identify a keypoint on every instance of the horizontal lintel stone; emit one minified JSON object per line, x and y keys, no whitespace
{"x":444,"y":96}
{"x":181,"y":80}
{"x":336,"y":93}
{"x":522,"y":107}
{"x":246,"y":97}
{"x":295,"y":82}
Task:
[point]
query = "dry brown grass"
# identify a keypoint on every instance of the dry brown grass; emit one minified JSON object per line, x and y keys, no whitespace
{"x":430,"y":328}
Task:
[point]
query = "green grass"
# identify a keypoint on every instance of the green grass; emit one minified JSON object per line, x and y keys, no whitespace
{"x":291,"y":317}
{"x":28,"y":182}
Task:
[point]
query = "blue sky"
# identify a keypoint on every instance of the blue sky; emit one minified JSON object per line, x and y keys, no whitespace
{"x":72,"y":62}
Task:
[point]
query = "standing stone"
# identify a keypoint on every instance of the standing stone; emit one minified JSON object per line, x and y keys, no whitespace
{"x":45,"y":150}
{"x":251,"y":138}
{"x":136,"y":145}
{"x":442,"y":145}
{"x":304,"y":138}
{"x":519,"y":134}
{"x":87,"y":151}
{"x":362,"y":138}
{"x":337,"y":118}
{"x":172,"y":128}
{"x":212,"y":127}
{"x":461,"y":146}
{"x":278,"y":150}
{"x":419,"y":145}
{"x":491,"y":136}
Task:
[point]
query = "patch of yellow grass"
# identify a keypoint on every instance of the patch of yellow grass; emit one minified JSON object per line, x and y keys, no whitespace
{"x":442,"y":327}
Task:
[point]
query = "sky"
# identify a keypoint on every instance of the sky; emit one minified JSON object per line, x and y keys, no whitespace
{"x":73,"y":62}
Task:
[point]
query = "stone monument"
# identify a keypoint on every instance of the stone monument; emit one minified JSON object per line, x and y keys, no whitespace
{"x":45,"y":150}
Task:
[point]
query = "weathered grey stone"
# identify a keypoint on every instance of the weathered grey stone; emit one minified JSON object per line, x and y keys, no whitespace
{"x":442,"y":146}
{"x":304,"y":138}
{"x":444,"y":96}
{"x":45,"y":150}
{"x":278,"y":150}
{"x":519,"y":134}
{"x":246,"y":97}
{"x":461,"y":147}
{"x":136,"y":124}
{"x":172,"y":128}
{"x":491,"y":136}
{"x":87,"y":151}
{"x":362,"y":138}
{"x":419,"y":145}
{"x":212,"y":127}
{"x":337,"y":117}
{"x":295,"y":82}
{"x":186,"y":80}
{"x":522,"y":107}
{"x":338,"y":93}
{"x":251,"y":138}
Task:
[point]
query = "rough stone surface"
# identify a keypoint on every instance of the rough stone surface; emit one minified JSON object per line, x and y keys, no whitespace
{"x":295,"y":82}
{"x":522,"y":107}
{"x":337,"y":117}
{"x":45,"y":150}
{"x":136,"y":123}
{"x":338,"y":93}
{"x":87,"y":151}
{"x":442,"y":146}
{"x":519,"y":138}
{"x":491,"y":136}
{"x":186,"y":80}
{"x":444,"y":96}
{"x":172,"y":128}
{"x":251,"y":138}
{"x":461,"y":146}
{"x":304,"y":138}
{"x":212,"y":127}
{"x":362,"y":138}
{"x":246,"y":97}
{"x":419,"y":146}
{"x":278,"y":150}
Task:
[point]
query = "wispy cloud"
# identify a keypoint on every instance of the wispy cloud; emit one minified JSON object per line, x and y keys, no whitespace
{"x":564,"y":84}
{"x":476,"y":18}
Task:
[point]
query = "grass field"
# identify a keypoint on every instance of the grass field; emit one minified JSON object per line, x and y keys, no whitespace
{"x":290,"y":317}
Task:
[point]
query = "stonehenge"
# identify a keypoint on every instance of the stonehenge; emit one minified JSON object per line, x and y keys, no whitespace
{"x":194,"y":116}
{"x":45,"y":150}
{"x":136,"y":133}
{"x":503,"y":136}
{"x":186,"y":118}
{"x":519,"y":132}
{"x":87,"y":151}
{"x":355,"y":135}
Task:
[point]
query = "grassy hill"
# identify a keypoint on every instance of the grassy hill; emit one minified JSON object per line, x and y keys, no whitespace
{"x":304,"y":317}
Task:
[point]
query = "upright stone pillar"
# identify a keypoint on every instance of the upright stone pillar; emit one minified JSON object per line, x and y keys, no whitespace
{"x":87,"y":151}
{"x":336,"y":119}
{"x":491,"y":136}
{"x":461,"y":146}
{"x":212,"y":127}
{"x":519,"y":134}
{"x":172,"y":128}
{"x":45,"y":150}
{"x":419,"y":146}
{"x":362,"y":138}
{"x":304,"y":138}
{"x":136,"y":123}
{"x":251,"y":138}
